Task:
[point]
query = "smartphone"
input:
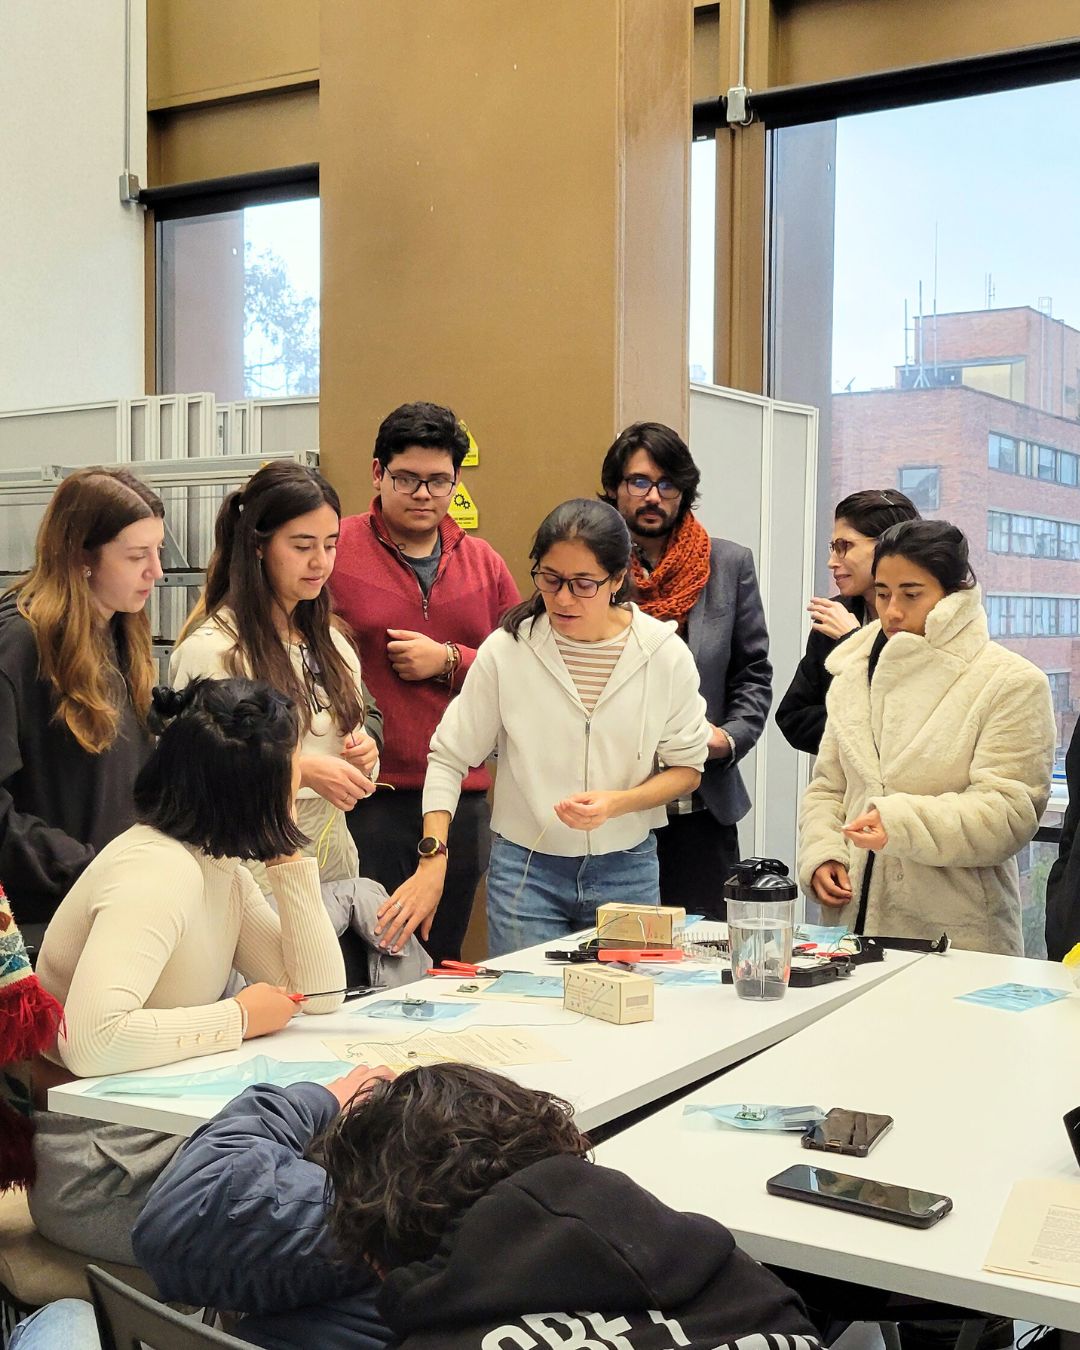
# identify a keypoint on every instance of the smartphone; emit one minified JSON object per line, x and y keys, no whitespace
{"x":860,"y":1195}
{"x":852,"y":1132}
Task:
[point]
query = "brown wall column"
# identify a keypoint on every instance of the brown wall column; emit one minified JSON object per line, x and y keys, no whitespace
{"x":504,"y":198}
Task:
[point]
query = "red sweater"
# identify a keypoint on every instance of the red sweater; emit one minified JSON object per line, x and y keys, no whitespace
{"x":374,"y":589}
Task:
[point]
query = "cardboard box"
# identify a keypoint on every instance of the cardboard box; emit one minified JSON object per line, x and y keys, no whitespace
{"x":619,"y":996}
{"x":640,"y":925}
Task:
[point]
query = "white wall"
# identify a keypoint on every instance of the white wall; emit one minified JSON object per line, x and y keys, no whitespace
{"x":71,"y":256}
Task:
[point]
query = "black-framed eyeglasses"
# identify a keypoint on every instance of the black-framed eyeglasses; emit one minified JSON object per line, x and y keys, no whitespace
{"x":409,"y":484}
{"x":552,"y":583}
{"x":639,"y":486}
{"x":313,"y":685}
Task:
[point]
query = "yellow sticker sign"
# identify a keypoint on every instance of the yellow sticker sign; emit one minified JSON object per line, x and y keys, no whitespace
{"x":472,"y":458}
{"x":463,"y":509}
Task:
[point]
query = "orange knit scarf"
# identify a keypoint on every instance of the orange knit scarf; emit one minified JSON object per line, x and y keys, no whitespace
{"x":671,"y":589}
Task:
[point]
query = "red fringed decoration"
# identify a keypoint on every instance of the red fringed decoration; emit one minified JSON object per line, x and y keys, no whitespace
{"x":29,"y":1020}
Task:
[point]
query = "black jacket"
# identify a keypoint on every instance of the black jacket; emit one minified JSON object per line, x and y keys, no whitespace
{"x":579,"y":1250}
{"x":583,"y":1252}
{"x":727,"y":637}
{"x":801,"y":714}
{"x":58,"y":804}
{"x":1063,"y":883}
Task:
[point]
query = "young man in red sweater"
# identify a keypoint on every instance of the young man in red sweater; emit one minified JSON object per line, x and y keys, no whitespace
{"x":420,"y":595}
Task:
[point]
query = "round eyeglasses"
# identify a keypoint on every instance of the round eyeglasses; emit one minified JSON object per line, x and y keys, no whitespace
{"x":584,"y":588}
{"x":639,"y":486}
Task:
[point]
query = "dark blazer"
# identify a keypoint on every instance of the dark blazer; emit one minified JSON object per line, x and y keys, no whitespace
{"x":801,"y":714}
{"x":727,"y":637}
{"x":1063,"y":883}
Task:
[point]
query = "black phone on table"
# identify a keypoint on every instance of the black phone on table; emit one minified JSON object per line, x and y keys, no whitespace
{"x":852,"y":1132}
{"x":860,"y":1195}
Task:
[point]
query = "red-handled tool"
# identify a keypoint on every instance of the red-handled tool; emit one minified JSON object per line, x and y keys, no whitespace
{"x":361,"y":991}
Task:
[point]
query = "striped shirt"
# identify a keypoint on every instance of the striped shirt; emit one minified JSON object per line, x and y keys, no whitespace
{"x":589,"y":664}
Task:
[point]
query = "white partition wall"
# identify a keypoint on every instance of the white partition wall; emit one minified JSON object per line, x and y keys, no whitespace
{"x":758,"y":461}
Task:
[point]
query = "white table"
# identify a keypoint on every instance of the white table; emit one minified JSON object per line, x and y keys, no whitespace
{"x":609,"y":1070}
{"x":977,"y":1095}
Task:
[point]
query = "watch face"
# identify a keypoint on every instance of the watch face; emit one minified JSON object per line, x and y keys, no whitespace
{"x":429,"y":846}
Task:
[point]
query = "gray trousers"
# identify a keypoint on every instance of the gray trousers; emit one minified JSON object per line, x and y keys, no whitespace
{"x":92,"y":1182}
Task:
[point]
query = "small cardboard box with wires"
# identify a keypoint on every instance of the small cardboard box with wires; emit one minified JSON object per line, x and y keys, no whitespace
{"x":619,"y":925}
{"x":619,"y":996}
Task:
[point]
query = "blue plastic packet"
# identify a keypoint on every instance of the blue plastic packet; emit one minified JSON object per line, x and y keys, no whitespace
{"x":753,"y":1116}
{"x":683,"y":976}
{"x":1013,"y":997}
{"x":230,"y":1080}
{"x":516,"y":983}
{"x":423,"y":1010}
{"x":824,"y":934}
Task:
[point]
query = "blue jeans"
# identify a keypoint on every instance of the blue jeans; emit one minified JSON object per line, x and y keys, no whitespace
{"x":538,"y":898}
{"x":66,"y":1325}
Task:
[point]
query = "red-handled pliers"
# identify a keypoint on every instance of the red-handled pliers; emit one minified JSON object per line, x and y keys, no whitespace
{"x":465,"y":969}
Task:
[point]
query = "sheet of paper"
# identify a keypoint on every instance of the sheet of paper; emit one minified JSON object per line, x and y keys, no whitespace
{"x":519,"y":987}
{"x":1013,"y":997}
{"x":487,"y":1048}
{"x":1039,"y":1232}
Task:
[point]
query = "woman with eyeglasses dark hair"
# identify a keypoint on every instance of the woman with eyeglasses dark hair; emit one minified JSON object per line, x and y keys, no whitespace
{"x":582,"y":695}
{"x":266,"y":613}
{"x":859,"y":519}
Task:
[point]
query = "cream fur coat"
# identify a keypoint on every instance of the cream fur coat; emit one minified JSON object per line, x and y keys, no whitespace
{"x":954,"y":744}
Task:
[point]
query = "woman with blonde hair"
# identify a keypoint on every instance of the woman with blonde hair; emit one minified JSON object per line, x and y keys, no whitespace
{"x":76,"y":673}
{"x":266,"y":614}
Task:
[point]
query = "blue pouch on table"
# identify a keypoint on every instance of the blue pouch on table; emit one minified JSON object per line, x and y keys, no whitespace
{"x":514,"y":983}
{"x":680,"y":975}
{"x":232,"y":1079}
{"x":753,"y":1116}
{"x":422,"y":1010}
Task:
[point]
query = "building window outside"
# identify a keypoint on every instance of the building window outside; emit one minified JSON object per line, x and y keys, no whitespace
{"x":702,"y":260}
{"x":1059,"y":690}
{"x":922,"y":485}
{"x":238,"y":301}
{"x":871,"y":220}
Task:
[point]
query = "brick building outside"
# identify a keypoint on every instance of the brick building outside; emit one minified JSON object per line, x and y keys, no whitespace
{"x":983,"y":429}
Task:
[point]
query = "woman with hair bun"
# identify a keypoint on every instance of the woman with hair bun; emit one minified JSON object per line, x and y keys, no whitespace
{"x":935,"y":764}
{"x":75,"y":676}
{"x":145,"y":941}
{"x":859,"y":519}
{"x":266,"y":614}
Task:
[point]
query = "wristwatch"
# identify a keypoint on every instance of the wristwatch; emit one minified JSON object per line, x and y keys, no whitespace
{"x":430,"y":847}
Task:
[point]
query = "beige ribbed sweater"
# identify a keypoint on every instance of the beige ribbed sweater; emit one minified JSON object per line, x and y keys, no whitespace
{"x":142,"y":946}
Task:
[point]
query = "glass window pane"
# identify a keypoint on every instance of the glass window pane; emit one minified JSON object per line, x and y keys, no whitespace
{"x":921,"y":354}
{"x":238,"y":302}
{"x":702,"y":259}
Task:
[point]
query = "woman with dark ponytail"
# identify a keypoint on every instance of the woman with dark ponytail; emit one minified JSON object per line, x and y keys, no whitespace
{"x":266,"y":614}
{"x":935,"y":763}
{"x":145,"y":941}
{"x":582,"y":695}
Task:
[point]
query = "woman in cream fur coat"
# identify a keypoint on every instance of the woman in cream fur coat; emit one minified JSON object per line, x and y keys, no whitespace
{"x":935,"y":764}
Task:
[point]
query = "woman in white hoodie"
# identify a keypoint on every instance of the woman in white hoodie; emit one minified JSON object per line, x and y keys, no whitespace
{"x":935,"y":763}
{"x":594,"y":711}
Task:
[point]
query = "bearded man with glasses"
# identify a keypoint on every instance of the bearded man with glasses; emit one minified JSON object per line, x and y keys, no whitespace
{"x":420,"y":595}
{"x":708,"y":588}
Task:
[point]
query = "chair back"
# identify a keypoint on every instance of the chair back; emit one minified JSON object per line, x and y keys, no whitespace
{"x":128,"y":1320}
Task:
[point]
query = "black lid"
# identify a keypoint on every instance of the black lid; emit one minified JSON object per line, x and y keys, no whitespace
{"x":760,"y":879}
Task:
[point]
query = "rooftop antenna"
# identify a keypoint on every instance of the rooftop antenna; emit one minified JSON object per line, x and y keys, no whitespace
{"x":935,"y":302}
{"x":921,"y":381}
{"x":990,"y":292}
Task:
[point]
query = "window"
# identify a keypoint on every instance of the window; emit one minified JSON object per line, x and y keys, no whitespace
{"x":238,"y":300}
{"x":922,"y":486}
{"x":702,"y":259}
{"x":980,"y":380}
{"x":1003,"y":453}
{"x":1059,"y":690}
